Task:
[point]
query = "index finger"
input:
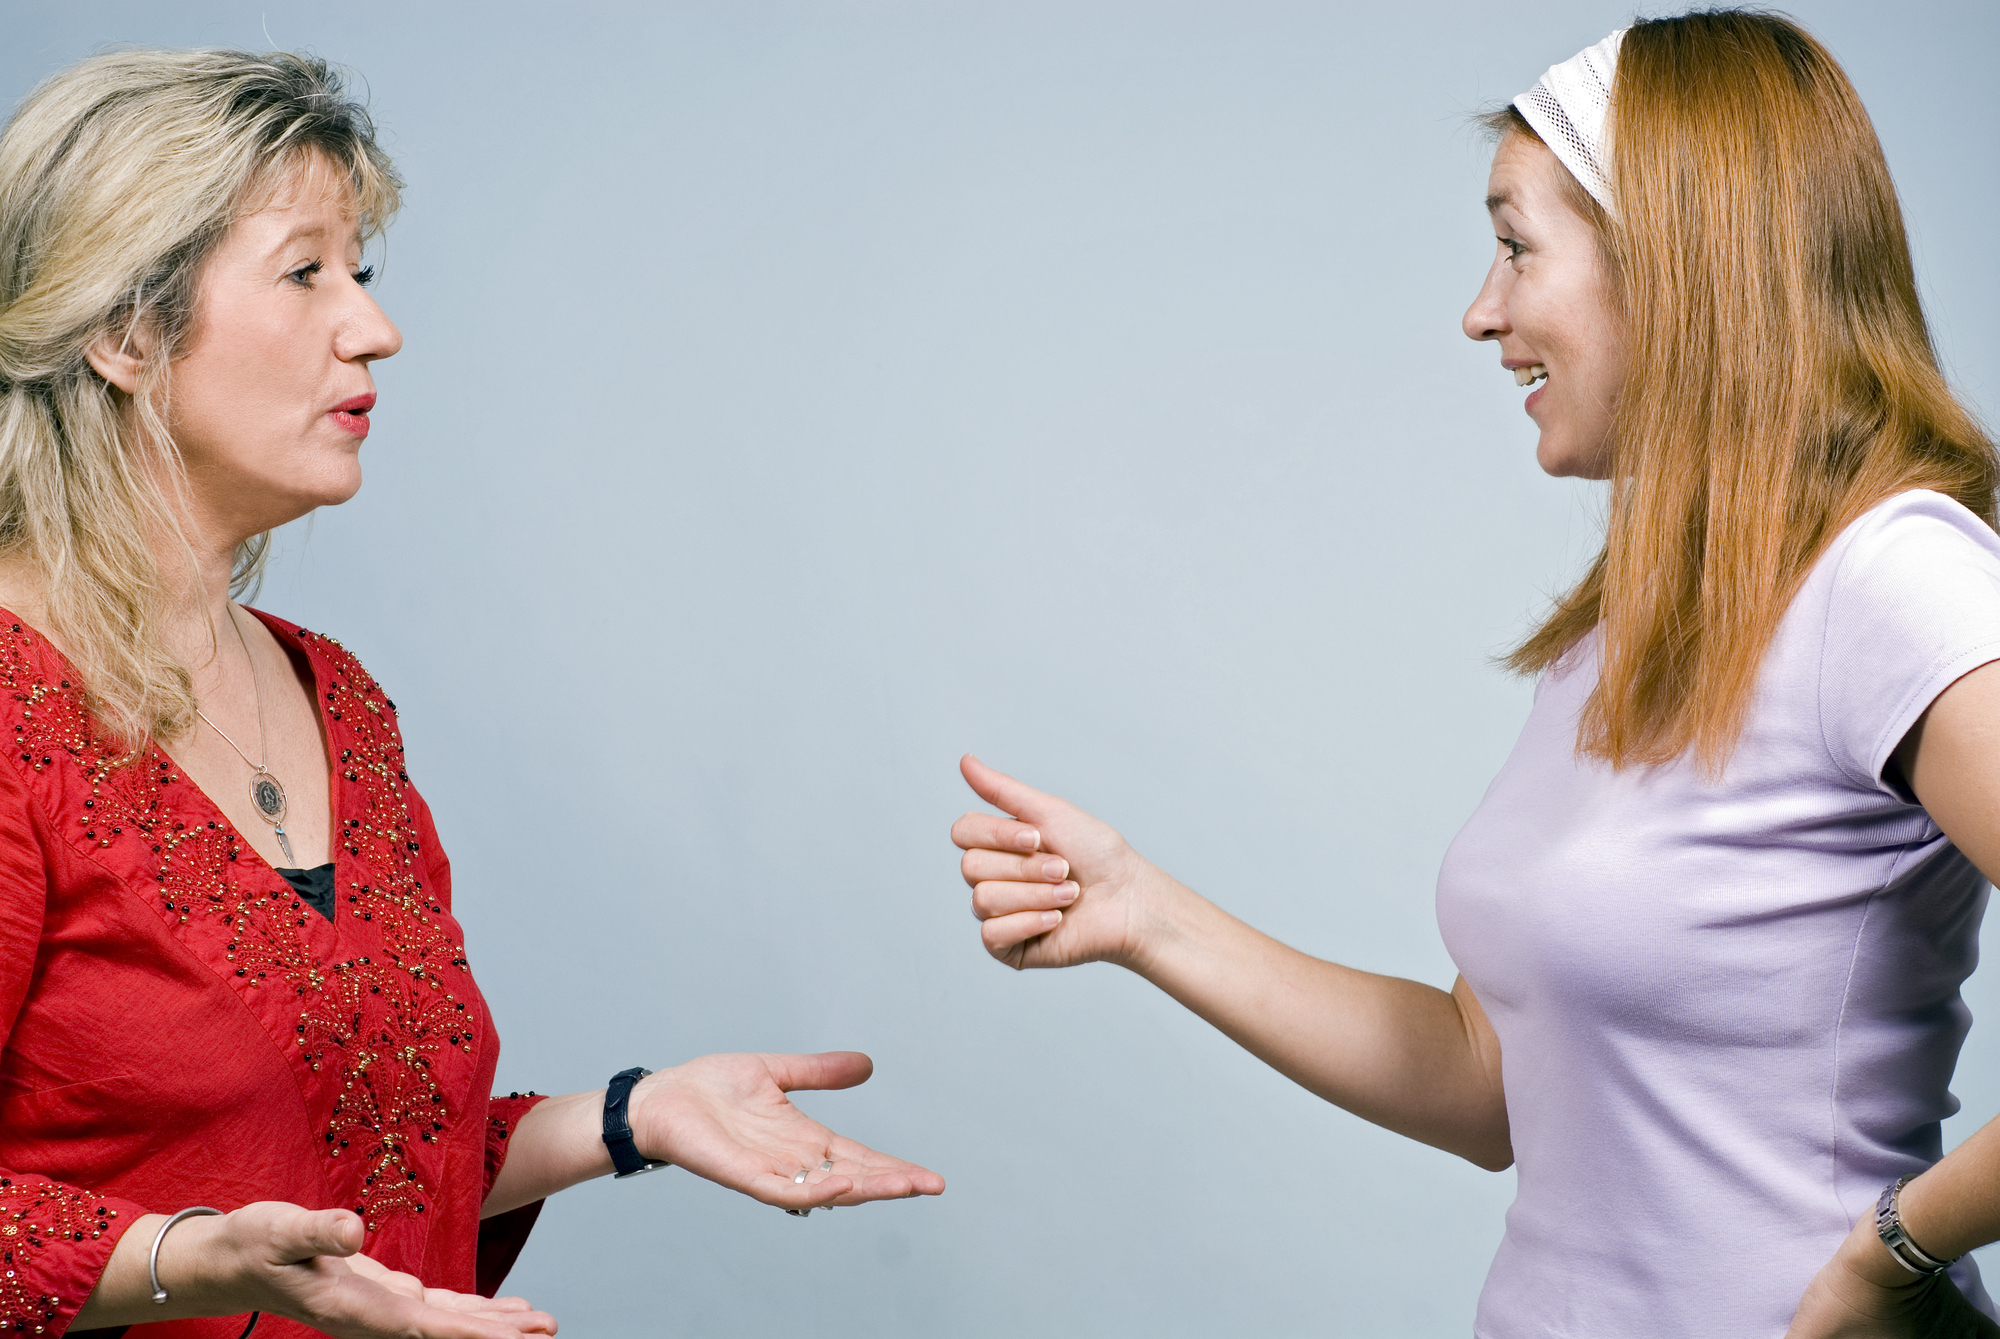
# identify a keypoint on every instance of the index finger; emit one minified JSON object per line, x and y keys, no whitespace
{"x":878,"y":1175}
{"x":994,"y":833}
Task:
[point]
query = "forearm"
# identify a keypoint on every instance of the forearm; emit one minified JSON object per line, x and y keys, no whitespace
{"x":125,"y":1290}
{"x":1404,"y":1055}
{"x":556,"y":1144}
{"x":1947,"y":1211}
{"x":1953,"y":1208}
{"x":191,"y":1269}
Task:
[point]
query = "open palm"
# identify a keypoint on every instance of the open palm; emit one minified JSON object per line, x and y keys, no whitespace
{"x":728,"y":1118}
{"x":305,"y":1264}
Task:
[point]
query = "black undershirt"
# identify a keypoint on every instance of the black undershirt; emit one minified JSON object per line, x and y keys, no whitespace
{"x":314,"y":885}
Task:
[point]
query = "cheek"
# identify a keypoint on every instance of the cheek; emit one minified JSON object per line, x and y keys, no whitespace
{"x":243,"y":383}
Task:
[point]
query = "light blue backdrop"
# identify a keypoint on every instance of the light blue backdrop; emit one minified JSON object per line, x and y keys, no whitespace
{"x":797,"y":395}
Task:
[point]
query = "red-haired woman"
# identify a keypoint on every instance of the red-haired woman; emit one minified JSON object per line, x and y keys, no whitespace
{"x":1713,"y":915}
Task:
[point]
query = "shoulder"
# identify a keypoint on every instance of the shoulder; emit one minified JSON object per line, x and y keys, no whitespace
{"x":1918,"y":569}
{"x":1905,"y":601}
{"x":1916,"y":535}
{"x":338,"y":668}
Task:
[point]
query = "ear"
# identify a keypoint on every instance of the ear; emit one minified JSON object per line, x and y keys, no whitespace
{"x":120,"y":356}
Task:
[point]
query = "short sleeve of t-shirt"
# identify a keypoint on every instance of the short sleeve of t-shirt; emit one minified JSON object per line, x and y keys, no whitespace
{"x":1913,"y":606}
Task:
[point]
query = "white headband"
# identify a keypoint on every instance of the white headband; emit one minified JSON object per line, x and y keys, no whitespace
{"x":1567,"y":108}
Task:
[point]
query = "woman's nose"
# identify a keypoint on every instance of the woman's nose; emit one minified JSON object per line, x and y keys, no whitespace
{"x":1486,"y":318}
{"x":368,"y":333}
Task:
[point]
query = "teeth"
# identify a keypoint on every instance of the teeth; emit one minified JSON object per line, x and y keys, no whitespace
{"x":1528,"y":376}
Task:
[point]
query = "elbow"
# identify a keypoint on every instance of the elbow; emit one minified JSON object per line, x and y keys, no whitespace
{"x":1482,"y":1148}
{"x":1488,"y":1149}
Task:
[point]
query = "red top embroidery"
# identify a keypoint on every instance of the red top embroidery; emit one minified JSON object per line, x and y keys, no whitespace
{"x":177,"y":1027}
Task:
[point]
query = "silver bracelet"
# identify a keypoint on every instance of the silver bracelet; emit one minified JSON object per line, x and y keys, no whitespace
{"x":153,"y":1260}
{"x":1889,"y":1227}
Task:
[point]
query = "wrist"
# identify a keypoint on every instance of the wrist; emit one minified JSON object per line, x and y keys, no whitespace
{"x":642,"y":1125}
{"x":196,"y":1264}
{"x":1161,"y":910}
{"x":1863,"y":1255}
{"x":203,"y":1267}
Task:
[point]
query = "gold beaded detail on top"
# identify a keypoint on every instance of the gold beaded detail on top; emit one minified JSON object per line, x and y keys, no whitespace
{"x":382,"y":1020}
{"x":34,"y":1215}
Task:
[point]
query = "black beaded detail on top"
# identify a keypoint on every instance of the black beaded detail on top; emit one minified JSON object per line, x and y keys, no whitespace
{"x":386,"y":1007}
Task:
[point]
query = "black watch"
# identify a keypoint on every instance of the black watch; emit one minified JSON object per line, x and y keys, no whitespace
{"x":625,"y":1155}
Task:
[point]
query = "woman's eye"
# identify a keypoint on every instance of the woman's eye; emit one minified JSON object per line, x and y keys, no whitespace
{"x":1514,"y":248}
{"x":365,"y":275}
{"x":304,"y":274}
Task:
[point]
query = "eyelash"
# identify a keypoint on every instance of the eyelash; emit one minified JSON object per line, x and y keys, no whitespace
{"x":1514,"y":248}
{"x":303,"y":275}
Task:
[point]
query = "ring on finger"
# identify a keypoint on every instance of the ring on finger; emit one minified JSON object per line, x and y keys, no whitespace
{"x":799,"y":1179}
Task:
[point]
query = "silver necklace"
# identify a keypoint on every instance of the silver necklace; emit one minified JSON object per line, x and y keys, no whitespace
{"x":267,"y":793}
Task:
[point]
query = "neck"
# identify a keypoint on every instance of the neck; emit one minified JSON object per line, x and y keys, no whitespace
{"x":194,"y":568}
{"x":204,"y":597}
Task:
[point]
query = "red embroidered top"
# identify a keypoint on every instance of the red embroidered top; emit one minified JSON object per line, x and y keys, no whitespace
{"x":177,"y":1027}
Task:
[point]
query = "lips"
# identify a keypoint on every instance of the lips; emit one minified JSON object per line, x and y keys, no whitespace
{"x":352,"y":414}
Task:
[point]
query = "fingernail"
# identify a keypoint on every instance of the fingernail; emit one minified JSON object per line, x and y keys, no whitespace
{"x":1051,"y":919}
{"x":1029,"y":840}
{"x":1055,"y":870}
{"x":1066,"y":893}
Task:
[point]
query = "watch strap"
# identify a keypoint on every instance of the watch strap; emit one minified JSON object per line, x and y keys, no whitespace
{"x":1889,"y":1227}
{"x":626,"y":1160}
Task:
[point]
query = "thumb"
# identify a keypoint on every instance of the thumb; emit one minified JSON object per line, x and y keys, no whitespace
{"x":1004,"y":793}
{"x":827,"y":1069}
{"x":320,"y":1232}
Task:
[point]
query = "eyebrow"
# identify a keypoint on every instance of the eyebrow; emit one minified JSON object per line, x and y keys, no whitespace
{"x":305,"y":232}
{"x":297,"y":233}
{"x":1497,"y":199}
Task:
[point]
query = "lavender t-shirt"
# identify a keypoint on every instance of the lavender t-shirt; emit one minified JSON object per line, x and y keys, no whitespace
{"x":1728,"y":1010}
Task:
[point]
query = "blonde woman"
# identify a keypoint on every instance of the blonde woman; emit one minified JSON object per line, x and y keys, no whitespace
{"x":1713,"y":914}
{"x":230,"y":978}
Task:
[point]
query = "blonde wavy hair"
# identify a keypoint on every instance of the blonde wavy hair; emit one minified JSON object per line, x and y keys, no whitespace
{"x":118,"y":178}
{"x":1781,"y":377}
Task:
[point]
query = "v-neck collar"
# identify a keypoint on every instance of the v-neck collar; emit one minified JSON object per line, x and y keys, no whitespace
{"x":289,"y":637}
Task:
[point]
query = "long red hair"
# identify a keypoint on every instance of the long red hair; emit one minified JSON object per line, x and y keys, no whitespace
{"x":1781,"y":376}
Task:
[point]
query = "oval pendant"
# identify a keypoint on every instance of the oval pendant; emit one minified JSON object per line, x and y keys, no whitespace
{"x":268,"y":796}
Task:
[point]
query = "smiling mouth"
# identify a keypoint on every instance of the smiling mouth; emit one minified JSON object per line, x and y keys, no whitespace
{"x":1529,"y":375}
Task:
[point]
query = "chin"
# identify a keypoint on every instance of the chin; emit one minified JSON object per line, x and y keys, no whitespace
{"x":327,"y":489}
{"x":336,"y":482}
{"x":1560,"y":461}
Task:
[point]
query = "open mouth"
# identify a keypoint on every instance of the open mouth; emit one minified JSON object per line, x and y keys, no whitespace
{"x":1529,"y":375}
{"x":353,"y":414}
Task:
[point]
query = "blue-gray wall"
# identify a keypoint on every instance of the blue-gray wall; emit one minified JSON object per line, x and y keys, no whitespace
{"x":797,"y":395}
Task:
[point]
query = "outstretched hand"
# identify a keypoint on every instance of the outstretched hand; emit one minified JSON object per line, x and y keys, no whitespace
{"x":727,"y":1118}
{"x":303,"y":1264}
{"x":1051,"y":885}
{"x":357,"y":1298}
